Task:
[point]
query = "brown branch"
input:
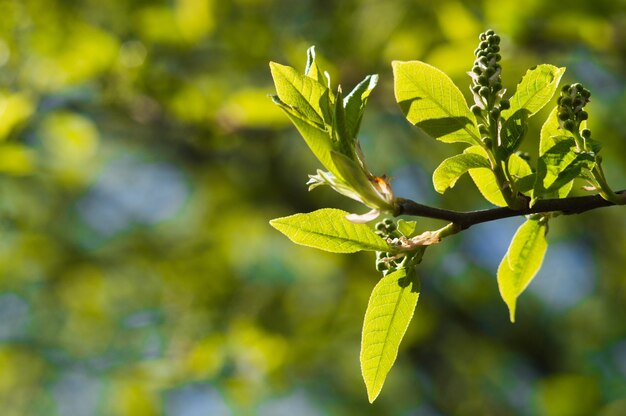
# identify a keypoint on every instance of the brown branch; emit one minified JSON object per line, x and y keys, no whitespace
{"x":463,"y":220}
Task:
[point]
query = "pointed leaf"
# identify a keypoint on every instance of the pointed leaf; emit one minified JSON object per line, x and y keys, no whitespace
{"x":388,"y":314}
{"x":306,"y":95}
{"x":312,"y":70}
{"x":329,"y":230}
{"x":354,"y":103}
{"x":521,"y":262}
{"x":315,"y":135}
{"x":535,"y":90}
{"x":451,"y":169}
{"x":430,"y":100}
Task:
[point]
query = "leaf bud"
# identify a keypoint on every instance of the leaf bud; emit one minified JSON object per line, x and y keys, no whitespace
{"x":563,"y":116}
{"x":569,"y":125}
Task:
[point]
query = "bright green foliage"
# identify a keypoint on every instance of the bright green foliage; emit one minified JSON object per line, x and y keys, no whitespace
{"x":354,"y":103}
{"x":306,"y":95}
{"x":430,"y":100}
{"x":522,"y":261}
{"x":328,"y":229}
{"x":388,"y":314}
{"x":485,"y":180}
{"x":407,"y":228}
{"x":535,"y":90}
{"x":494,"y":126}
{"x":558,"y":166}
{"x":451,"y":169}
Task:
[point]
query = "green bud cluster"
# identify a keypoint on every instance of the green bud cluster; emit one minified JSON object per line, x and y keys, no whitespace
{"x":385,"y":261}
{"x":486,"y":80}
{"x":571,"y":104}
{"x":487,"y":85}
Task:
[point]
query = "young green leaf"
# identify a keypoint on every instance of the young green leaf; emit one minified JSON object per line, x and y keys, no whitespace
{"x":388,"y":314}
{"x":306,"y":95}
{"x":406,"y":228}
{"x":486,"y":182}
{"x":329,"y":230}
{"x":535,"y":90}
{"x":354,"y":103}
{"x":430,"y":100}
{"x":551,"y":132}
{"x":451,"y":169}
{"x":558,"y":166}
{"x":312,"y":70}
{"x":522,"y":262}
{"x":315,"y":135}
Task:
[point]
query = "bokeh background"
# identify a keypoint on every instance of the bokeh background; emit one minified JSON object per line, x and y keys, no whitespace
{"x":141,"y":160}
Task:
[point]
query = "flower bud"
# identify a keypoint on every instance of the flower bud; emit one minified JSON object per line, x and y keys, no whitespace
{"x":586,"y":133}
{"x":505,"y":104}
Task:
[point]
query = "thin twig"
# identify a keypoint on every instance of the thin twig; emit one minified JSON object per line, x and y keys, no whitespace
{"x":566,"y":206}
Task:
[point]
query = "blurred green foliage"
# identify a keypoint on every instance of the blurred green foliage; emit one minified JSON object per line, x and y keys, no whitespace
{"x":141,"y":160}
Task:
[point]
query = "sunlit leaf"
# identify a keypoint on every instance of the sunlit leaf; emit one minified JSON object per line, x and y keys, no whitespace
{"x":535,"y":90}
{"x":430,"y":100}
{"x":302,"y":93}
{"x":521,"y":262}
{"x":487,"y":184}
{"x":388,"y":314}
{"x":451,"y":169}
{"x":407,"y":228}
{"x":558,"y":166}
{"x":315,"y":135}
{"x":328,"y":229}
{"x":355,"y":101}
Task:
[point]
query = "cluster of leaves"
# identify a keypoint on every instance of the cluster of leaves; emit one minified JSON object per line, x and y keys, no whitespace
{"x":494,"y":127}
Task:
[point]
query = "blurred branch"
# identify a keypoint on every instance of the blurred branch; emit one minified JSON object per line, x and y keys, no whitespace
{"x":463,"y":220}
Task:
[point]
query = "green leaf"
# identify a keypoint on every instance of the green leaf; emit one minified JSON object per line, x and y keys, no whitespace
{"x":451,"y":169}
{"x":329,"y":230}
{"x":522,"y":262}
{"x":487,"y":184}
{"x":535,"y":90}
{"x":354,"y":103}
{"x":407,"y":228}
{"x":302,"y":93}
{"x":513,"y":130}
{"x":315,"y":135}
{"x":388,"y":314}
{"x":312,"y":70}
{"x":430,"y":100}
{"x":344,"y":142}
{"x":551,"y":133}
{"x":558,"y":166}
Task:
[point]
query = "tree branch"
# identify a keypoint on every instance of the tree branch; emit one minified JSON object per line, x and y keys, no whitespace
{"x":463,"y":220}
